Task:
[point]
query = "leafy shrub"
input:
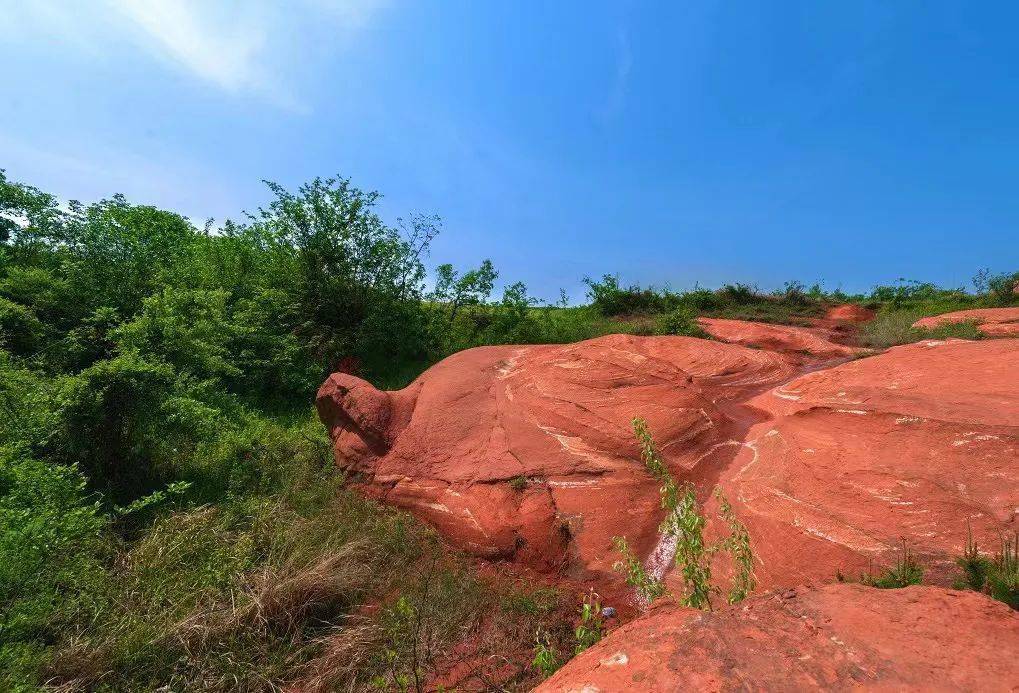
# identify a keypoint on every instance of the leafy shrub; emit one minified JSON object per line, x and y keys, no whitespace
{"x":685,"y":521}
{"x":910,"y":291}
{"x":738,"y":294}
{"x":679,"y":321}
{"x":28,"y":403}
{"x":51,"y":548}
{"x":611,"y":299}
{"x":1000,"y":288}
{"x":357,"y":282}
{"x":20,"y":330}
{"x":188,"y":329}
{"x":114,"y":420}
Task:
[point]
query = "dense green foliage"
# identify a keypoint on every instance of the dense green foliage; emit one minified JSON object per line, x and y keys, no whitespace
{"x":169,"y":511}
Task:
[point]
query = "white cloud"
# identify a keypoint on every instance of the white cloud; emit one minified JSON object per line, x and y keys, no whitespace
{"x":238,"y":47}
{"x":220,"y":47}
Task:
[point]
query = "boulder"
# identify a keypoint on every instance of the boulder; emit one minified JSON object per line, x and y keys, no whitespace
{"x":527,"y":452}
{"x":835,"y":637}
{"x":993,"y":322}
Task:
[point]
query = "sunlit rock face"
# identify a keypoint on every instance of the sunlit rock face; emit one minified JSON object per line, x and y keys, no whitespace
{"x":526,"y":453}
{"x":836,"y":637}
{"x":813,"y":341}
{"x":918,"y":443}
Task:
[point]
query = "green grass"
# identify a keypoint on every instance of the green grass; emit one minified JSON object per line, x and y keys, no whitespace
{"x":906,"y":571}
{"x":895,"y":327}
{"x":266,"y":587}
{"x":997,"y":575}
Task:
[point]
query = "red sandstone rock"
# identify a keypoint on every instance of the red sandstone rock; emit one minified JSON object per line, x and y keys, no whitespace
{"x":850,"y":312}
{"x":912,"y":443}
{"x":993,"y":322}
{"x":828,"y":471}
{"x":781,"y":338}
{"x":837,"y":637}
{"x":447,"y":447}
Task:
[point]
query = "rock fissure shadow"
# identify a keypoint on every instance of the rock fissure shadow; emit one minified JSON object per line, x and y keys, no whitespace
{"x":740,"y":418}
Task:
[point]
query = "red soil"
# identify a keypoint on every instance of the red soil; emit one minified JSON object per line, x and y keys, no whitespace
{"x":850,"y":312}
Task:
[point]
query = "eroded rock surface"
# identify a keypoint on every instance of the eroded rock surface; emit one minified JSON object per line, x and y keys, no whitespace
{"x":914,"y":443}
{"x":993,"y":322}
{"x":815,"y":341}
{"x":528,"y":452}
{"x":836,"y":637}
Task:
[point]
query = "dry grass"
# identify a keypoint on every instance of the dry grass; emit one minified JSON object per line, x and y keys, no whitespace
{"x":351,"y":596}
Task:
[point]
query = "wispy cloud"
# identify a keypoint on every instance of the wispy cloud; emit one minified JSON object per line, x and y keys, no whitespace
{"x":241,"y":48}
{"x":220,"y":47}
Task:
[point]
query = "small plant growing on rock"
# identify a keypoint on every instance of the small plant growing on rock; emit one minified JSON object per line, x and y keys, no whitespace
{"x":738,"y":546}
{"x":648,"y":587}
{"x":518,"y":483}
{"x":975,"y":567}
{"x":592,"y":626}
{"x":999,"y":577}
{"x":545,"y":659}
{"x":1003,"y":578}
{"x":906,"y":571}
{"x":685,"y":521}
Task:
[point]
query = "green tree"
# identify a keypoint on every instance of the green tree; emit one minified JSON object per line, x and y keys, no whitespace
{"x":189,"y":329}
{"x":355,"y":281}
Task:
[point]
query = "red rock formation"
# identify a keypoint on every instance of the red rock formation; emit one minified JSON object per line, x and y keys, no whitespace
{"x":850,"y":312}
{"x":912,"y":443}
{"x":993,"y":322}
{"x":837,"y":637}
{"x":557,"y":420}
{"x":815,"y":341}
{"x":828,"y":471}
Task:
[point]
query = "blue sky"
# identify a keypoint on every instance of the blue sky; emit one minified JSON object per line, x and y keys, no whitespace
{"x":674,"y":143}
